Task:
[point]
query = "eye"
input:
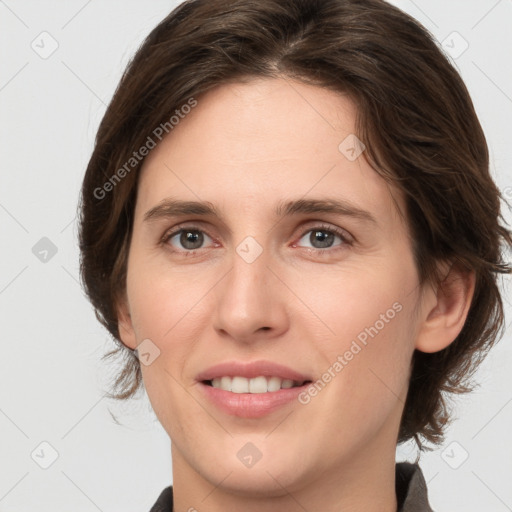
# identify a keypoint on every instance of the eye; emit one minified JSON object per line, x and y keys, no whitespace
{"x":189,"y":239}
{"x":324,"y":237}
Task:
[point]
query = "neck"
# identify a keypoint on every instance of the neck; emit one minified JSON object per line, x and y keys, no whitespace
{"x":365,"y":483}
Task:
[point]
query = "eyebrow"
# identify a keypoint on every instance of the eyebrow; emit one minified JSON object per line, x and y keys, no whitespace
{"x":170,"y":207}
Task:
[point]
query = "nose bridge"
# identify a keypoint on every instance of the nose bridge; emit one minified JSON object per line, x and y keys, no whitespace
{"x":248,"y":278}
{"x":248,"y":300}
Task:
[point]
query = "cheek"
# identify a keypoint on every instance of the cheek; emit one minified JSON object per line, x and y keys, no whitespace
{"x":363,"y":303}
{"x":161,"y":300}
{"x":166,"y":309}
{"x":367,"y":349}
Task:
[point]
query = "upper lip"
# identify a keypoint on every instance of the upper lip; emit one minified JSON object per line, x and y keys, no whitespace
{"x":250,"y":370}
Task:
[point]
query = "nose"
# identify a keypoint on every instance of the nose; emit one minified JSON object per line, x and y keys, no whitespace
{"x":251,"y":300}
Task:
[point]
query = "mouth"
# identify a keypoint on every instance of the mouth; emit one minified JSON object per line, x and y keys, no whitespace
{"x":256,"y":385}
{"x":251,"y":390}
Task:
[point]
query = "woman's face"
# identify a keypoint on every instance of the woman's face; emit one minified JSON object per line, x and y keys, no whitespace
{"x":297,"y":267}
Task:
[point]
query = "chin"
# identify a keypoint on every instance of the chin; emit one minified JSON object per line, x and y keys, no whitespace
{"x":258,"y":468}
{"x":262,"y":482}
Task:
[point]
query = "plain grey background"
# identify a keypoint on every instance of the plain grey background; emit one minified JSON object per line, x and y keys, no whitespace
{"x":60,"y":445}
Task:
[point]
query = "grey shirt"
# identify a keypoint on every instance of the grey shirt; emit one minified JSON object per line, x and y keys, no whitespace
{"x":411,"y":491}
{"x":411,"y":488}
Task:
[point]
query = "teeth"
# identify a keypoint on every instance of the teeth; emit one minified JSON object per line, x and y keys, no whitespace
{"x":274,"y":384}
{"x":239,"y":385}
{"x":225,"y":383}
{"x":256,"y":385}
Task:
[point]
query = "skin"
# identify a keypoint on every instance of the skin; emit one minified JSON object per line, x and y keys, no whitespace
{"x":245,"y":147}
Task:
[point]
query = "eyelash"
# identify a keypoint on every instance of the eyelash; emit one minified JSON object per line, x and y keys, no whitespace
{"x":346,"y":241}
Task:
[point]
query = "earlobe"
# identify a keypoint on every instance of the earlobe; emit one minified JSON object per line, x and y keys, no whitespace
{"x":125,"y":325}
{"x":446,"y":310}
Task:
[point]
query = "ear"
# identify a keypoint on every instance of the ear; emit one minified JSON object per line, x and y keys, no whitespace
{"x":125,"y":325}
{"x":445,"y":309}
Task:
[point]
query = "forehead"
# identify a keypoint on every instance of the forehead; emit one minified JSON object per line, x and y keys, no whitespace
{"x":249,"y":145}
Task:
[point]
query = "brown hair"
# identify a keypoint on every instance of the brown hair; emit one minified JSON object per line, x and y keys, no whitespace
{"x":415,"y":117}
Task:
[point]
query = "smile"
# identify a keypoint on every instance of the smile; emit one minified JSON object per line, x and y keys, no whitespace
{"x":251,"y":389}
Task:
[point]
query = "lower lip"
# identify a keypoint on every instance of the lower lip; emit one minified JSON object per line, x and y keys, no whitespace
{"x":250,"y":405}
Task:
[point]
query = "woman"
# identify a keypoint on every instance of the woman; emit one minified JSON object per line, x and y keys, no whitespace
{"x":289,"y":226}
